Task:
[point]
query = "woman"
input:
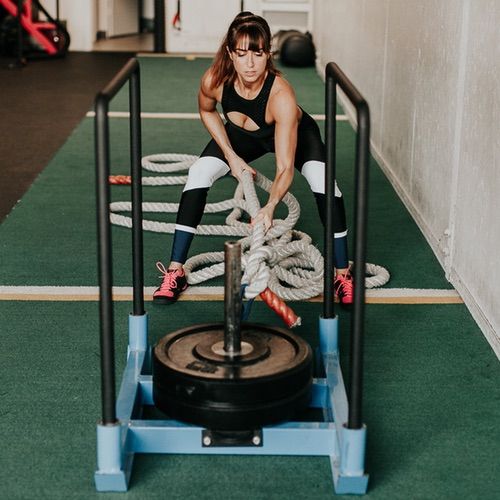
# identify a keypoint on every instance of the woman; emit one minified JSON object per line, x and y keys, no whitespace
{"x":262,"y":116}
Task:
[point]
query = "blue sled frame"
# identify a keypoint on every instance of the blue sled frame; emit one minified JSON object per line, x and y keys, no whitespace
{"x":123,"y":431}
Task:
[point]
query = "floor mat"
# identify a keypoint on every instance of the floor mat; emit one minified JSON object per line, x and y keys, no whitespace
{"x":429,"y":389}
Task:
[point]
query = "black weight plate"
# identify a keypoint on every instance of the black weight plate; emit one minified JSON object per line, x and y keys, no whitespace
{"x":195,"y":382}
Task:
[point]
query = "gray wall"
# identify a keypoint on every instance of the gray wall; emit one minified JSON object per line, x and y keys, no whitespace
{"x":430,"y":71}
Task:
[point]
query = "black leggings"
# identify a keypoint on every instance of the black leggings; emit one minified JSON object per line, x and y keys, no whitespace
{"x":212,"y":165}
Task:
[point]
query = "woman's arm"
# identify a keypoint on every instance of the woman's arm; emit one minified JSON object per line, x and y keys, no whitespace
{"x":207,"y":105}
{"x":284,"y":110}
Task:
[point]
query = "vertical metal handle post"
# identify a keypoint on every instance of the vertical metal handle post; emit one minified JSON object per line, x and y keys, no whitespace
{"x":330,"y":173}
{"x":104,"y":262}
{"x":360,"y":223}
{"x":136,"y":174}
{"x":335,"y":76}
{"x":102,"y":157}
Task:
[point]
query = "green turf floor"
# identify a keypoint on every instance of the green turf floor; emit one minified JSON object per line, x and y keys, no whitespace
{"x":431,"y":404}
{"x":50,"y":239}
{"x":431,"y":379}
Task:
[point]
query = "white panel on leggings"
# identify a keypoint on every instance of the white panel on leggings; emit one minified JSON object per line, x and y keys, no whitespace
{"x":314,"y":172}
{"x":204,"y":172}
{"x":186,"y":229}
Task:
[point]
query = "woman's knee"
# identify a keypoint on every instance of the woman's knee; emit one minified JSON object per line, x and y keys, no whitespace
{"x":314,"y":173}
{"x":205,"y":171}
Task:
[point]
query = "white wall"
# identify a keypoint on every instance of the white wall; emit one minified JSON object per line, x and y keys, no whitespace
{"x":148,"y":9}
{"x":81,"y":17}
{"x":430,"y":71}
{"x":203,"y":25}
{"x":283,"y":14}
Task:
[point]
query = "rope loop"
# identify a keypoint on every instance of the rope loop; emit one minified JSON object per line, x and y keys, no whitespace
{"x":282,"y":259}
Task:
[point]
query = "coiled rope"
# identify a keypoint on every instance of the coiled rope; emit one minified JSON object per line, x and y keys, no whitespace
{"x":283,"y":259}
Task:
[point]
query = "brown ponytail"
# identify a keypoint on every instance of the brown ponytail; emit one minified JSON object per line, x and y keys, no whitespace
{"x":245,"y":24}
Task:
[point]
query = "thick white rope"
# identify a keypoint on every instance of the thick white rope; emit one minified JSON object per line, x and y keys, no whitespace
{"x":283,"y":259}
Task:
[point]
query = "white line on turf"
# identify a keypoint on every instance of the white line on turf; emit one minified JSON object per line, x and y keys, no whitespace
{"x":91,"y":293}
{"x":185,"y":116}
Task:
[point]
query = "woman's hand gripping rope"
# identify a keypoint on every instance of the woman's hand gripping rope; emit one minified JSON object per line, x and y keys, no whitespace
{"x":264,"y":216}
{"x":238,"y":167}
{"x":262,"y":221}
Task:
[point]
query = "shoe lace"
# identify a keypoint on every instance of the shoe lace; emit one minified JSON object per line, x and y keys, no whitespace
{"x":345,"y":284}
{"x":169,"y":277}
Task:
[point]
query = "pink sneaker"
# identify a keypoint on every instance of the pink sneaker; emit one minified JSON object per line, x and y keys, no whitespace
{"x":173,"y":284}
{"x":344,"y":288}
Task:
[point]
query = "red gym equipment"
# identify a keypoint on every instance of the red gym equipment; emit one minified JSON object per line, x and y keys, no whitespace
{"x":48,"y":38}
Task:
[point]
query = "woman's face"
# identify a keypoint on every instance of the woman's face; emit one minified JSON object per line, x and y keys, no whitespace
{"x":250,"y":65}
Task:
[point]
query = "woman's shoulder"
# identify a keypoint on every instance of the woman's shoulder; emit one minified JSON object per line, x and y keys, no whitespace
{"x":282,"y":89}
{"x":282,"y":101}
{"x":207,"y":84}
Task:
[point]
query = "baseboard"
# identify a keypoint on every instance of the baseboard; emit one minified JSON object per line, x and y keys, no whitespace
{"x":476,"y":312}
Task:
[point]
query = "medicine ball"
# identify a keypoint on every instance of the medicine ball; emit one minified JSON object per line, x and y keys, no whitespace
{"x":297,"y":49}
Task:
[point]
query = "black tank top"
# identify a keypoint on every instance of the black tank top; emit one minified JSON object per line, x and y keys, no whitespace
{"x":253,"y":108}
